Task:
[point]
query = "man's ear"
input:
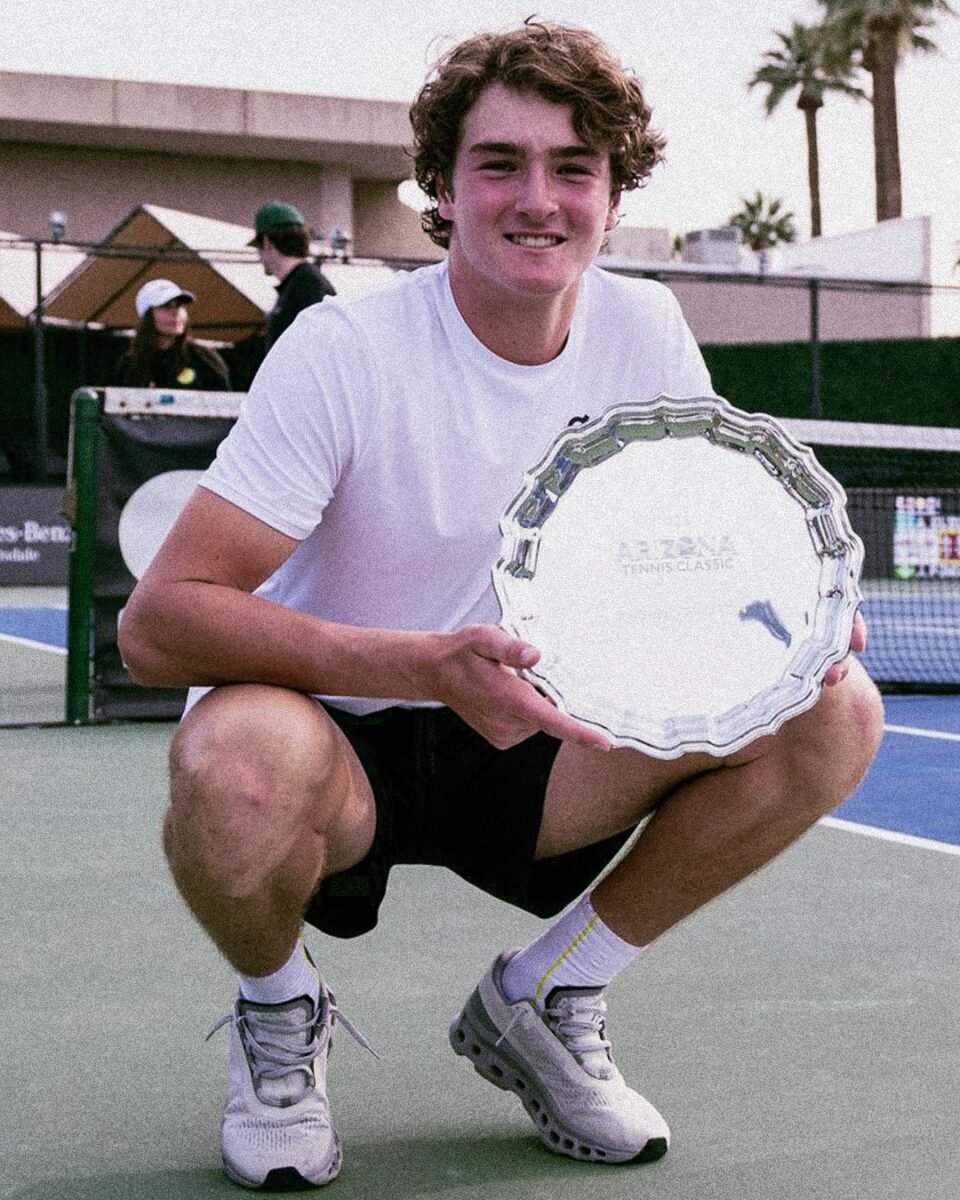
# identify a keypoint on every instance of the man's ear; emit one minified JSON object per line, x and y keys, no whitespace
{"x":444,"y":199}
{"x":613,"y":215}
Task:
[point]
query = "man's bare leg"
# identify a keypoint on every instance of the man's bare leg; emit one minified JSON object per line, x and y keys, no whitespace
{"x":536,"y":1022}
{"x":716,"y":828}
{"x":267,"y":797}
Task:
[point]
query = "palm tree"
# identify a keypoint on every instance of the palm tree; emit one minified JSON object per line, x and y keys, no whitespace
{"x":875,"y":34}
{"x":805,"y":59}
{"x":763,"y":222}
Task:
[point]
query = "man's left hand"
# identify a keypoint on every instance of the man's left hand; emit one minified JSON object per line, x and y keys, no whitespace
{"x":858,"y":643}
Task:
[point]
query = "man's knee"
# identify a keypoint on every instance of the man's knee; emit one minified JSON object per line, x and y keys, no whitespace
{"x":248,"y":767}
{"x":262,"y":777}
{"x":245,"y":743}
{"x":832,"y":746}
{"x":855,"y":714}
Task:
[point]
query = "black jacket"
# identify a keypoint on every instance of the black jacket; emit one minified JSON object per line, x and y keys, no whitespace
{"x":203,"y":370}
{"x":305,"y":285}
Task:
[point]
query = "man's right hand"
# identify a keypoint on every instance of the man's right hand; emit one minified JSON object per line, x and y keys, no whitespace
{"x":475,"y":672}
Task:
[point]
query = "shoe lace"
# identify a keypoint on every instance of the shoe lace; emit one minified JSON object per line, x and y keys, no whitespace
{"x":279,"y":1045}
{"x":342,"y":1019}
{"x":578,"y":1018}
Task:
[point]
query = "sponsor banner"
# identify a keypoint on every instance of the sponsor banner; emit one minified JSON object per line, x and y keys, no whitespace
{"x":35,"y":538}
{"x":926,"y":536}
{"x":146,"y":468}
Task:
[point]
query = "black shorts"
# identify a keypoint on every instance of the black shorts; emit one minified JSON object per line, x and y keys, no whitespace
{"x":445,"y":796}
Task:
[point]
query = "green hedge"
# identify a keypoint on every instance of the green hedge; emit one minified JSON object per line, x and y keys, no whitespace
{"x":908,"y":382}
{"x":915,"y":382}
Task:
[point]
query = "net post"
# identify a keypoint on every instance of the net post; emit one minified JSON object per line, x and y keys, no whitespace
{"x":80,"y":509}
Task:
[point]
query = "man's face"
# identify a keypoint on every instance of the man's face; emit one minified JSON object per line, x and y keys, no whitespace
{"x":529,"y":201}
{"x":268,"y":256}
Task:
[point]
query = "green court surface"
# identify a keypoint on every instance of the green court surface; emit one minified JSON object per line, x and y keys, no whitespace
{"x":801,"y":1034}
{"x":33,"y":676}
{"x":33,"y":686}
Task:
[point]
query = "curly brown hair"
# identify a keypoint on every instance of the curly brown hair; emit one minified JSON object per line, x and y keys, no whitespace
{"x":561,"y":63}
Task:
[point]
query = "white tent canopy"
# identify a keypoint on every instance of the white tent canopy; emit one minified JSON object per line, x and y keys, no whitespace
{"x":18,"y":275}
{"x":212,"y":259}
{"x":157,"y":243}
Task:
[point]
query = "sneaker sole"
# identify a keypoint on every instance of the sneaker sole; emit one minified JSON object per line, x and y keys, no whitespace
{"x":473,"y":1036}
{"x":288,"y":1178}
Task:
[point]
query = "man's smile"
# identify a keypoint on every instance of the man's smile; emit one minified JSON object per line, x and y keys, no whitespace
{"x":536,"y":240}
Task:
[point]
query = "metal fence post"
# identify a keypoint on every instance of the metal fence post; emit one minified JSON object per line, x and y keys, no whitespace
{"x":81,"y":510}
{"x":41,"y":424}
{"x":816,"y":408}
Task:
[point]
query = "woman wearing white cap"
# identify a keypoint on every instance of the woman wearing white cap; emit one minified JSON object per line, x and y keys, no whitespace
{"x":162,"y":354}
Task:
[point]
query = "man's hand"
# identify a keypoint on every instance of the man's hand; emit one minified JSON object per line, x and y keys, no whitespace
{"x":477,"y":676}
{"x":858,"y":643}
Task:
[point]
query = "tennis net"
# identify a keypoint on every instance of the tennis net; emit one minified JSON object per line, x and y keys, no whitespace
{"x":903,"y":499}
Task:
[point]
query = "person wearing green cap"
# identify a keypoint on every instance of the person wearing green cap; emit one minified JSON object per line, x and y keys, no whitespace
{"x":281,"y":236}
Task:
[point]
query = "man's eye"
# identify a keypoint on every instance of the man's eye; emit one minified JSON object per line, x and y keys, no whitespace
{"x":497,"y":164}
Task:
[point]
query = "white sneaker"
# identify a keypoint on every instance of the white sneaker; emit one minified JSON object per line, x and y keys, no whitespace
{"x":277,"y":1124}
{"x":560,"y":1065}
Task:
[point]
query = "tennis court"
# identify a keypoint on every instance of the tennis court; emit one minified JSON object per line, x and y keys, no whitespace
{"x":801,"y":1034}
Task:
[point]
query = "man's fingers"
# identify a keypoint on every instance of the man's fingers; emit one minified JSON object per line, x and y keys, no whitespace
{"x":557,"y":724}
{"x":858,"y":643}
{"x":836,"y":673}
{"x":492,"y":643}
{"x":858,"y":636}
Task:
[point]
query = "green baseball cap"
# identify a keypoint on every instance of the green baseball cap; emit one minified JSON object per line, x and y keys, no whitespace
{"x":274,"y":213}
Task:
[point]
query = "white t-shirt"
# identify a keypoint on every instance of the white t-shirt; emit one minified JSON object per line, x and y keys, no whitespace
{"x":388,"y":439}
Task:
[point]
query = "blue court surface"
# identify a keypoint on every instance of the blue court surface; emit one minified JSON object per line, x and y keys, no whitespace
{"x":42,"y":626}
{"x":913,"y":788}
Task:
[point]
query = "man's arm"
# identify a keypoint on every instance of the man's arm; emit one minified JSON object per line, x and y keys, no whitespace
{"x":193,"y":620}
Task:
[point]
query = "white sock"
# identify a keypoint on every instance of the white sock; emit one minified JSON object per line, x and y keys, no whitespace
{"x":297,"y":977}
{"x":578,"y":950}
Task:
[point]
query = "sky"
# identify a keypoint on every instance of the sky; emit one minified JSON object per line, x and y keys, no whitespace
{"x":694,"y":57}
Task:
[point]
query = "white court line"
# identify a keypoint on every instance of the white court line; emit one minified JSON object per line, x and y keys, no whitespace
{"x":889,"y":835}
{"x":31,"y":644}
{"x":927,"y":733}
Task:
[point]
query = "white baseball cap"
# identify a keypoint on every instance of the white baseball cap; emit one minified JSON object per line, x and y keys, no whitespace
{"x":160,"y":291}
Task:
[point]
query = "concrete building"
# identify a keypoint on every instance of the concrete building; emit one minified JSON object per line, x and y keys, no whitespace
{"x":93,"y":149}
{"x":870,"y":284}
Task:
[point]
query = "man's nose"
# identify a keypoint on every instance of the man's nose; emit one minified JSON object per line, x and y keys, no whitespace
{"x":537,"y":196}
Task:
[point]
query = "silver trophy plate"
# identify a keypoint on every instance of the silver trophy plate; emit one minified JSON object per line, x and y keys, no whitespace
{"x":687,"y":571}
